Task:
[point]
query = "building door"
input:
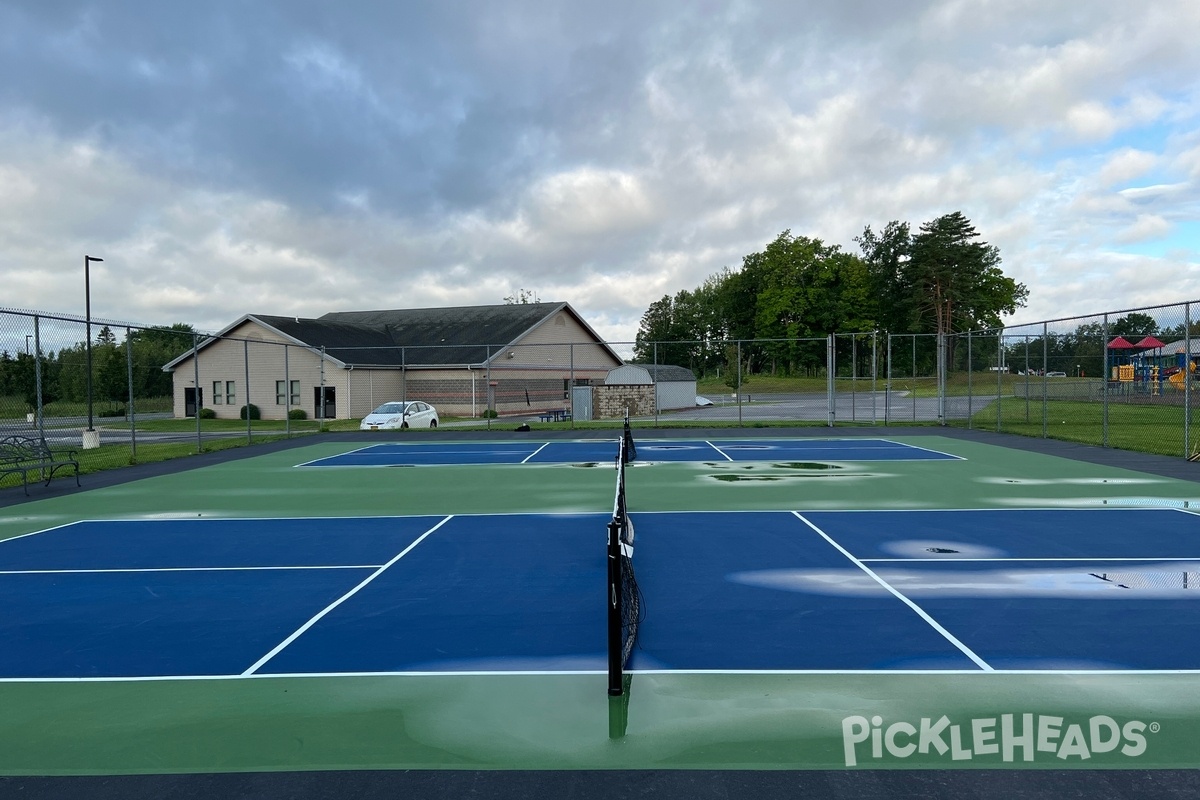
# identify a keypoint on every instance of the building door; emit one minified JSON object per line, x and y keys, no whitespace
{"x":189,"y":401}
{"x":581,"y":403}
{"x":325,"y":403}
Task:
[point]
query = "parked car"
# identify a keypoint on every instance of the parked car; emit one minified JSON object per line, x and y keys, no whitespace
{"x":390,"y":416}
{"x":703,"y":401}
{"x":1056,"y":374}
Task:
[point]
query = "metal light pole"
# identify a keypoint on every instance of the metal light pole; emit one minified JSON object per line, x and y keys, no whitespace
{"x":28,"y":336}
{"x":87,"y":292}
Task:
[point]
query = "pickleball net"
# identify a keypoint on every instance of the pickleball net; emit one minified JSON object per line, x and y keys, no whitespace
{"x":624,"y":600}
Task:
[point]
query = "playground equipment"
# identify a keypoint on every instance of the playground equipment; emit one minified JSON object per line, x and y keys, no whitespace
{"x":1180,"y":377}
{"x":1144,"y":367}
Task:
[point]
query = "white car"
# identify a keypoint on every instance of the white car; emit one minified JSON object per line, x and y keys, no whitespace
{"x":390,"y":416}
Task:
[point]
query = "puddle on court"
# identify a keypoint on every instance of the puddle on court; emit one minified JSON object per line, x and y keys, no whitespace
{"x":807,"y":465}
{"x":795,"y":470}
{"x":732,"y":478}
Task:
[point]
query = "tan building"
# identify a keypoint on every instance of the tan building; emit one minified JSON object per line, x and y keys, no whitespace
{"x":514,"y":359}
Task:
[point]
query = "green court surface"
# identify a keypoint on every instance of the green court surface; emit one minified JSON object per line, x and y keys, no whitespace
{"x":700,"y":720}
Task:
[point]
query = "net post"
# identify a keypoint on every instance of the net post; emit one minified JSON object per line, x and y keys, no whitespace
{"x":615,"y":611}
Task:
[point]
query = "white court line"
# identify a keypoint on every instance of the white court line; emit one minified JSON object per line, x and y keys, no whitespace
{"x":719,"y":450}
{"x":534,"y":453}
{"x":920,"y":611}
{"x":296,"y":634}
{"x":337,"y":455}
{"x":926,"y":449}
{"x":43,"y":530}
{"x":178,"y":569}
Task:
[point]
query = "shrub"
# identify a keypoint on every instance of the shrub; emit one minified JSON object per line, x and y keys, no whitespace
{"x":490,"y":413}
{"x":297,"y":413}
{"x":112,"y":412}
{"x":207,"y":413}
{"x":251,"y":410}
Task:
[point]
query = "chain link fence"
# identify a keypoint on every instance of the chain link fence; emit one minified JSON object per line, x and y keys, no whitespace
{"x":122,"y":394}
{"x":1123,"y":379}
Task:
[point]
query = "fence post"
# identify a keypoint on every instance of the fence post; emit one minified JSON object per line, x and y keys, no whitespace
{"x":1027,"y":378}
{"x":287,"y":394}
{"x":853,"y":378}
{"x":970,"y":363}
{"x":132,"y":413}
{"x":654,"y":380}
{"x":196,"y":395}
{"x":941,"y":378}
{"x":246,"y":362}
{"x":914,"y":377}
{"x":830,"y":371}
{"x":874,"y":375}
{"x":1187,"y":380}
{"x":38,"y":410}
{"x":1045,"y":380}
{"x":739,"y":381}
{"x":1104,"y":410}
{"x":887,"y":383}
{"x":1000,"y":361}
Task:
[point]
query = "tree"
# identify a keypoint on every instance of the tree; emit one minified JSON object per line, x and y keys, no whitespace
{"x":668,"y":332}
{"x":112,"y":374}
{"x":24,"y":382}
{"x":522,"y":297}
{"x":152,"y":348}
{"x":886,"y":255}
{"x":1134,"y":326}
{"x":956,"y":282}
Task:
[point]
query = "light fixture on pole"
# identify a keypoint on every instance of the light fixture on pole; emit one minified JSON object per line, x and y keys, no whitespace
{"x":87,"y":297}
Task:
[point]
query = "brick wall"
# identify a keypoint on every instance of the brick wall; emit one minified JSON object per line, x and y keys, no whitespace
{"x":613,"y":401}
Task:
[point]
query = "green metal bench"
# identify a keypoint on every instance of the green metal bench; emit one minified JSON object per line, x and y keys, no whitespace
{"x":25,"y":454}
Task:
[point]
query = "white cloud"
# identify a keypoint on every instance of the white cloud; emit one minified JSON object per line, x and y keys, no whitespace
{"x":598,"y":156}
{"x":1146,"y":227}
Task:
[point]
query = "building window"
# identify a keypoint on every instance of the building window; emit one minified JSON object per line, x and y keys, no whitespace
{"x":218,"y":394}
{"x":230,"y":393}
{"x":281,"y":393}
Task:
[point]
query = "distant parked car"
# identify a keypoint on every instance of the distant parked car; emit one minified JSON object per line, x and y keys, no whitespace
{"x":703,"y":401}
{"x":391,"y":416}
{"x":1056,"y":374}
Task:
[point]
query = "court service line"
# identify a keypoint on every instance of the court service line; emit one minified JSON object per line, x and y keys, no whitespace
{"x":968,"y":652}
{"x":719,"y":450}
{"x":317,"y":618}
{"x":534,"y":453}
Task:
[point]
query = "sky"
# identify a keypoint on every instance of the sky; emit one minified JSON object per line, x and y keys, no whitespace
{"x":301,"y":157}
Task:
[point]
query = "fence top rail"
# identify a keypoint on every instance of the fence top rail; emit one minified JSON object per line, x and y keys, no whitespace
{"x":1116,"y":313}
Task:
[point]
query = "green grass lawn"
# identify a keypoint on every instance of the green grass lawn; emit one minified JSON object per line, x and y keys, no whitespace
{"x":1143,"y":427}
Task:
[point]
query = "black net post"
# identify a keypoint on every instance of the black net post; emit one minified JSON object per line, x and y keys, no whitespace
{"x":616,"y":646}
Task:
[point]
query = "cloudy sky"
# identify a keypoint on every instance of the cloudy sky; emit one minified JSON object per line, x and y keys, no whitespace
{"x":301,"y":157}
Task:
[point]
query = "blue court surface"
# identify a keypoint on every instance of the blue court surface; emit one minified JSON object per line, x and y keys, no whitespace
{"x":417,"y":454}
{"x":848,"y":591}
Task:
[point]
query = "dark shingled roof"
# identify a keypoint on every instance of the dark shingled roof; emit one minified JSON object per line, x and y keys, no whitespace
{"x":429,"y":336}
{"x":665,"y":373}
